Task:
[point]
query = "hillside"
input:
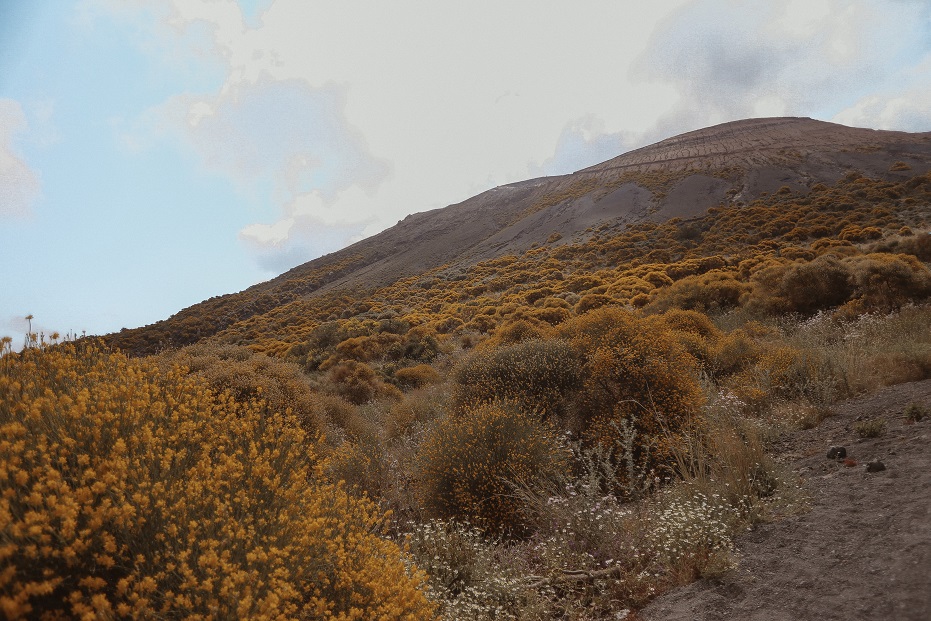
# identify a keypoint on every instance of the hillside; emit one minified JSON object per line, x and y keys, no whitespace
{"x":731,"y":165}
{"x":560,"y":399}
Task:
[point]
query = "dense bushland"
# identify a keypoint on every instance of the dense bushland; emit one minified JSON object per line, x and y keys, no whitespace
{"x":559,"y":434}
{"x":133,"y":492}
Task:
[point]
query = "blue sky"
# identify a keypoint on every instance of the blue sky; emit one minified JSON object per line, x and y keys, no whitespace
{"x":154,"y":153}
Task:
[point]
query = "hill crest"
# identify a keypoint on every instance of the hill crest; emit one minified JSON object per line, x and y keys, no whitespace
{"x":680,"y":177}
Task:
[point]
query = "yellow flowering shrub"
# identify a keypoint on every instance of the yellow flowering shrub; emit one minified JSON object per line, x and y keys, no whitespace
{"x":638,"y":377}
{"x":132,"y":492}
{"x":468,"y":463}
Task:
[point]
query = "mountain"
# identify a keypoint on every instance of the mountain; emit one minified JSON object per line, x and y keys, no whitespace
{"x":732,"y":164}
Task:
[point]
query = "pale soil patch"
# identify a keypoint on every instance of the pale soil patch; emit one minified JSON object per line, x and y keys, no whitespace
{"x":863,"y":551}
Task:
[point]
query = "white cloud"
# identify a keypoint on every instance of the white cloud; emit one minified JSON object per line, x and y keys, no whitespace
{"x":909,"y":111}
{"x":285,"y":130}
{"x":906,"y":108}
{"x":19,"y":184}
{"x":408,"y":106}
{"x":731,"y":59}
{"x":362,"y":114}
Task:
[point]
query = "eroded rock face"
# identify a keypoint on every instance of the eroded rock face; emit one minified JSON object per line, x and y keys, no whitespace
{"x":773,"y":142}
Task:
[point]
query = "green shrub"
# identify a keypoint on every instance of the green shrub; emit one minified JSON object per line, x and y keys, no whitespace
{"x":467,"y":578}
{"x":248,"y":375}
{"x":914,"y":412}
{"x":714,"y":291}
{"x":803,"y":287}
{"x":358,"y":383}
{"x":417,"y":409}
{"x":886,"y":282}
{"x":539,"y":376}
{"x":591,"y":302}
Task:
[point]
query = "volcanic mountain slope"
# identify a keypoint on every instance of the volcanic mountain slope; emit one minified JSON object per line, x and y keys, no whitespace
{"x":729,"y":164}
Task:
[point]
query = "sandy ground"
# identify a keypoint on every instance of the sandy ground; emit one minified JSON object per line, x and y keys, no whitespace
{"x":863,"y":551}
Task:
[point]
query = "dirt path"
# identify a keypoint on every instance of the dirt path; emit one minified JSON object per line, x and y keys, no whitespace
{"x":863,"y":551}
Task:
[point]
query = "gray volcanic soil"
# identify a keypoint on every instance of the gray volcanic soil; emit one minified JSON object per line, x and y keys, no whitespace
{"x":769,"y":153}
{"x":862,"y":552}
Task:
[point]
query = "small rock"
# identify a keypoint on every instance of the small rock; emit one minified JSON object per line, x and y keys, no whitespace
{"x":875,"y":466}
{"x":837,"y":452}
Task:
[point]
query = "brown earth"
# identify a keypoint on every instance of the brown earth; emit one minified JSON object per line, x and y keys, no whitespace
{"x":862,"y":551}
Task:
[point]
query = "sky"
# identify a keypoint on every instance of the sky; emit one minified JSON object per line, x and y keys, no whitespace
{"x":155,"y":153}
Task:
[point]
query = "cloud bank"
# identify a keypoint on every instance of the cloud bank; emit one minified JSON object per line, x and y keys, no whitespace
{"x":354,"y":118}
{"x":729,"y":59}
{"x":19,"y":184}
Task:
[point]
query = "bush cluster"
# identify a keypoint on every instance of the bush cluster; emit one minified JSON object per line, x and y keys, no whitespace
{"x":126,"y":491}
{"x":469,"y":463}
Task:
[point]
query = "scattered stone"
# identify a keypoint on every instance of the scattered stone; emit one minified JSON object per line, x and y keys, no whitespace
{"x":875,"y":466}
{"x":837,"y":452}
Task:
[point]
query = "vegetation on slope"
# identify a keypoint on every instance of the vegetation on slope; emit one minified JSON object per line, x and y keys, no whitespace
{"x":134,"y":493}
{"x":558,"y":434}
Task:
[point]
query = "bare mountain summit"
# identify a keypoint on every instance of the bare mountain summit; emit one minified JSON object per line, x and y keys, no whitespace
{"x":683,"y":176}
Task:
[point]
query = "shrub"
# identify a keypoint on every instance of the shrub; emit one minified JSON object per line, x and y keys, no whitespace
{"x":517,"y":332}
{"x":342,"y":419}
{"x":248,"y":375}
{"x":134,"y":492}
{"x":887,"y":282}
{"x":591,"y":302}
{"x":416,"y":376}
{"x":551,"y":315}
{"x":694,"y":331}
{"x":732,"y":353}
{"x":635,"y":374}
{"x":360,"y":466}
{"x":693,"y":533}
{"x":714,"y":291}
{"x":918,"y":245}
{"x":869,"y":351}
{"x":692,"y":322}
{"x":466,"y":577}
{"x":802,"y":287}
{"x":467,"y":461}
{"x":538,"y":376}
{"x":872,"y":428}
{"x":914,"y":412}
{"x":419,"y":344}
{"x":358,"y":383}
{"x":417,"y":409}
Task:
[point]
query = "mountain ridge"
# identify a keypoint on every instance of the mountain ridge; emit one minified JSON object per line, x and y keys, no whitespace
{"x":679,"y":177}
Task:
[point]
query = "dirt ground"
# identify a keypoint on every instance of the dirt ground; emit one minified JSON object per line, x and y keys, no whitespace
{"x":862,"y":552}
